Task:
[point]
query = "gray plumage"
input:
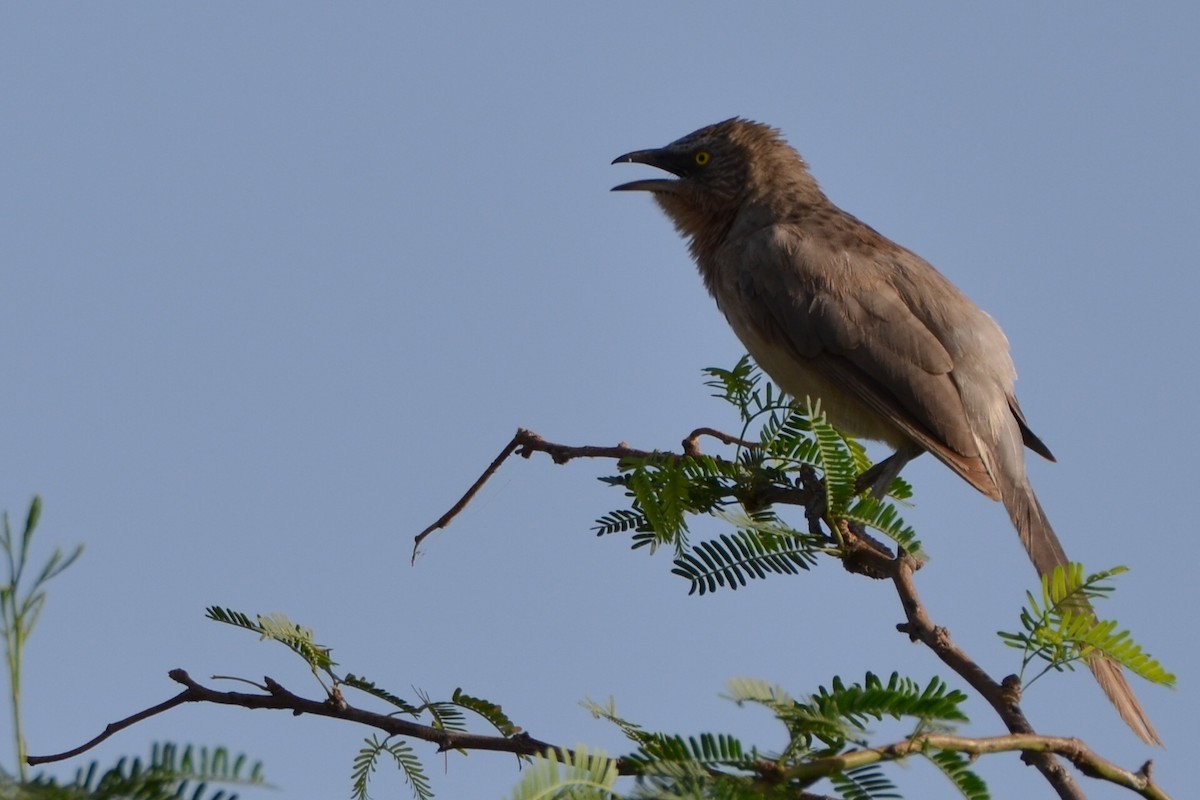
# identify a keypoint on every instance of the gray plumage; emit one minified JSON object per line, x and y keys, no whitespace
{"x":831,"y":309}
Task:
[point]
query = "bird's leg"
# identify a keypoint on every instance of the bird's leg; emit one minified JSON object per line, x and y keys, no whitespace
{"x":875,"y":481}
{"x":879,"y":477}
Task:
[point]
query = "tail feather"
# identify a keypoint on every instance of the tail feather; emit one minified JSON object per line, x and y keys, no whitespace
{"x":1112,"y":680}
{"x":1047,"y":552}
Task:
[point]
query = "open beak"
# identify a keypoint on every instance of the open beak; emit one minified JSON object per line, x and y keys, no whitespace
{"x":661,"y":158}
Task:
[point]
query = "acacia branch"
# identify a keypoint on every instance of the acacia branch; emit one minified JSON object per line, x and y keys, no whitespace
{"x":1083,"y":757}
{"x":275,"y":696}
{"x":1004,"y":697}
{"x":525,"y":443}
{"x":110,"y":729}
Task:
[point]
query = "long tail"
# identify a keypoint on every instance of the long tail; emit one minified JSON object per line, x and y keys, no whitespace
{"x":1047,"y":552}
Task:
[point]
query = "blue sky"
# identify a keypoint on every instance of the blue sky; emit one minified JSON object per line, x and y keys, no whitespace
{"x":278,"y":280}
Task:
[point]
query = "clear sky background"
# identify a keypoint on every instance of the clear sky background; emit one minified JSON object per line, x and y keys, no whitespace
{"x":278,"y":280}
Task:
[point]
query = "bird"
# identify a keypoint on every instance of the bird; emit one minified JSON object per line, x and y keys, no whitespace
{"x":830,"y":308}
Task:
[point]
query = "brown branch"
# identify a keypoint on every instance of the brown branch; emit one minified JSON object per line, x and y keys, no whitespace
{"x":110,"y":729}
{"x":279,"y":698}
{"x":1003,"y":697}
{"x":444,"y":519}
{"x":525,"y":443}
{"x":691,"y":445}
{"x":1084,"y":758}
{"x":275,"y":696}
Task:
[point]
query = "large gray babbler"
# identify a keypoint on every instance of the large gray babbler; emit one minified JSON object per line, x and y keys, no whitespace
{"x":831,"y":309}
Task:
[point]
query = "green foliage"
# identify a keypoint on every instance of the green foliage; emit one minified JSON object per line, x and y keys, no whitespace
{"x":785,"y":454}
{"x":731,"y":559}
{"x":666,"y":489}
{"x":707,"y":749}
{"x":837,"y":461}
{"x":19,"y":612}
{"x":491,"y":712}
{"x":279,"y":628}
{"x":621,"y":521}
{"x":863,"y":783}
{"x":793,"y":447}
{"x":837,"y":716}
{"x":368,"y":687}
{"x":739,"y":388}
{"x":170,"y":772}
{"x":579,"y":774}
{"x":827,"y":738}
{"x":957,"y":768}
{"x":1061,"y":629}
{"x":443,"y":714}
{"x":870,"y":513}
{"x":407,"y":761}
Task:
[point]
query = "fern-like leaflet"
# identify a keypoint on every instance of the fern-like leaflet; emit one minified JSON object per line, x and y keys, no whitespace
{"x":410,"y":766}
{"x":1061,"y":629}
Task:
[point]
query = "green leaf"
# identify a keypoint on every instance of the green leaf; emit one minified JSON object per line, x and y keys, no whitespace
{"x":863,"y":783}
{"x":841,"y":472}
{"x":737,"y":386}
{"x":1062,"y":630}
{"x":171,"y":771}
{"x":580,"y":774}
{"x":277,"y":627}
{"x":367,"y":760}
{"x":732,"y":559}
{"x":884,"y":518}
{"x":621,"y":521}
{"x":364,"y":685}
{"x":836,"y":715}
{"x":956,"y":767}
{"x":707,"y":750}
{"x":486,"y":709}
{"x":445,"y":715}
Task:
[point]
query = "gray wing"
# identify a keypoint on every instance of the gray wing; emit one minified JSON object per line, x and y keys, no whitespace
{"x":846,"y":315}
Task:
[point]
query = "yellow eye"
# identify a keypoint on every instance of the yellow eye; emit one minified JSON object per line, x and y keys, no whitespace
{"x":702,"y":158}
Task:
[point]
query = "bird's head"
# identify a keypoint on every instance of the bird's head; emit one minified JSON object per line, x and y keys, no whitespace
{"x":718,"y":170}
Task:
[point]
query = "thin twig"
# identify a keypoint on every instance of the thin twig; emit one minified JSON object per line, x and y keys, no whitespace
{"x":525,"y":443}
{"x":444,"y":519}
{"x":277,"y":697}
{"x":111,"y":728}
{"x":691,"y":445}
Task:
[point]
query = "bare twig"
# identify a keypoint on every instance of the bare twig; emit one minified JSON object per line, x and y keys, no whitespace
{"x":525,"y":443}
{"x":111,"y":728}
{"x":691,"y":445}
